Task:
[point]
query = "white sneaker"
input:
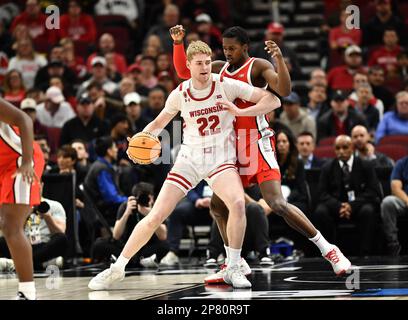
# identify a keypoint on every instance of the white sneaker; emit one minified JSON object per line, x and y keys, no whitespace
{"x":170,"y":259}
{"x":105,"y":279}
{"x":6,"y":265}
{"x":149,"y":262}
{"x":338,"y":261}
{"x":236,"y":278}
{"x":58,"y":261}
{"x":219,"y":276}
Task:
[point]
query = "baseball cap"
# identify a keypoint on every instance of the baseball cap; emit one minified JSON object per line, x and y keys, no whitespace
{"x":28,"y":103}
{"x":339,"y":95}
{"x":292,"y":98}
{"x":352,"y":49}
{"x":131,"y":97}
{"x":134,"y":67}
{"x":54,"y":94}
{"x":55,"y":63}
{"x":84,"y":99}
{"x":203,"y":17}
{"x":275,"y":27}
{"x":98,"y":60}
{"x":163,"y":74}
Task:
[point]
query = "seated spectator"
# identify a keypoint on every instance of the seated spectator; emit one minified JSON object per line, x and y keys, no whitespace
{"x":71,"y":60}
{"x":275,"y":32}
{"x":341,"y":77}
{"x":29,"y":106}
{"x":133,"y":72}
{"x":100,"y":180}
{"x":364,"y":148}
{"x":13,"y":86}
{"x":82,"y":164}
{"x":130,"y":212}
{"x":164,"y":63}
{"x":395,"y":205}
{"x":318,"y":77}
{"x":45,"y":148}
{"x":165,"y":80}
{"x":27,"y":62}
{"x":76,"y":25}
{"x":305,"y":146}
{"x":57,"y":82}
{"x":394,"y":122}
{"x":402,"y":69}
{"x":45,"y":228}
{"x":340,"y":119}
{"x":86,"y":125}
{"x":66,"y":160}
{"x":119,"y":132}
{"x":376,"y":79}
{"x":194,"y":210}
{"x":111,"y":69}
{"x":364,"y":107}
{"x":317,"y":105}
{"x":128,"y":8}
{"x":209,"y":33}
{"x":349,"y":191}
{"x":54,"y":111}
{"x":341,"y":36}
{"x":295,"y":117}
{"x":134,"y":112}
{"x":107,"y":45}
{"x":147,"y":75}
{"x":35,"y":20}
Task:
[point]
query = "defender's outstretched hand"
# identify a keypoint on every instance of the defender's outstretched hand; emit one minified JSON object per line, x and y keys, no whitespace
{"x":177,"y":33}
{"x":272,"y":48}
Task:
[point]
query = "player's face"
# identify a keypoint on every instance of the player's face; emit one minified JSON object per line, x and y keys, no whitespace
{"x":200,"y":67}
{"x":233,"y":50}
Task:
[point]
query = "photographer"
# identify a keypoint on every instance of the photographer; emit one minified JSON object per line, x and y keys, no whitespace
{"x":129,"y":214}
{"x":45,"y":229}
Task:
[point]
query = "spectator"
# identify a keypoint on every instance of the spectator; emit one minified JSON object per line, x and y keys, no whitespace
{"x":111,"y":69}
{"x":340,"y":119}
{"x":129,"y":214}
{"x":376,"y":77}
{"x":76,"y":25}
{"x":166,"y":81}
{"x":210,"y":34}
{"x":317,"y":105}
{"x":107,"y":45}
{"x":164,"y":63}
{"x":6,"y":41}
{"x":54,"y":111}
{"x":364,"y":107}
{"x":66,"y":160}
{"x":35,"y":21}
{"x":318,"y":77}
{"x":45,"y":228}
{"x":82,"y":164}
{"x":394,"y":122}
{"x":134,"y":71}
{"x":395,"y":205}
{"x":57,"y":82}
{"x":386,"y":56}
{"x":100,"y":180}
{"x":29,"y":106}
{"x":402,"y":64}
{"x":86,"y":125}
{"x":119,"y":131}
{"x":71,"y":60}
{"x":134,"y":112}
{"x":275,"y":32}
{"x":130,"y":9}
{"x":364,"y":148}
{"x":99,"y":75}
{"x":45,"y":148}
{"x":148,"y":70}
{"x":27,"y":62}
{"x":341,"y":36}
{"x":373,"y":31}
{"x":306,"y":146}
{"x":341,"y":77}
{"x":295,"y":117}
{"x":14,"y":90}
{"x":349,"y":191}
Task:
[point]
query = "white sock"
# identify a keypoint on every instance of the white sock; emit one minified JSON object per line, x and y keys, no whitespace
{"x":227,"y":253}
{"x":28,"y":289}
{"x":121,"y":263}
{"x":235,"y":257}
{"x":321,"y":243}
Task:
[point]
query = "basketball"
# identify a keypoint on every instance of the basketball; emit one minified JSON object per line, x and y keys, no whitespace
{"x":144,"y":148}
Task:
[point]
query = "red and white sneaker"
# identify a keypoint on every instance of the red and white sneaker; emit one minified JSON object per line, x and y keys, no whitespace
{"x":217,"y":278}
{"x":338,"y":261}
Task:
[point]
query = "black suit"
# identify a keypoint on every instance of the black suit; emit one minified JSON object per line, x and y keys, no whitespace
{"x":364,"y":208}
{"x":317,"y":162}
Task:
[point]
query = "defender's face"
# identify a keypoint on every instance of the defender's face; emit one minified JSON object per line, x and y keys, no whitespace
{"x":233,"y":50}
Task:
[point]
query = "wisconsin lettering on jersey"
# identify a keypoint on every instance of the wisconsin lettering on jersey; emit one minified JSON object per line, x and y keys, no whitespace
{"x":205,"y":111}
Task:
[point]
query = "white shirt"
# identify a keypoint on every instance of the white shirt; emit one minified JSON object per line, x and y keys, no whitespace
{"x":27,"y":68}
{"x":63,"y":114}
{"x":349,"y":163}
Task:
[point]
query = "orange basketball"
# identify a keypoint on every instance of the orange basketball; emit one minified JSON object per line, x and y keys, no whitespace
{"x":144,"y":148}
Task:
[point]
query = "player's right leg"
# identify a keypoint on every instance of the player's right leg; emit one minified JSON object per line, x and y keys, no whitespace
{"x":166,"y":201}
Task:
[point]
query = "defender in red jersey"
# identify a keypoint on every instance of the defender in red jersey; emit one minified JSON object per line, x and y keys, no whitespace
{"x":260,"y":73}
{"x":21,"y":166}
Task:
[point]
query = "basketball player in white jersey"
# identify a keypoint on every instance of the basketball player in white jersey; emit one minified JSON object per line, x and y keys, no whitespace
{"x":208,"y":152}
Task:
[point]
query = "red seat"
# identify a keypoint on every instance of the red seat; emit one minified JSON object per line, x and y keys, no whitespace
{"x":328,"y":141}
{"x":394,"y":139}
{"x":394,"y":151}
{"x":324,"y":152}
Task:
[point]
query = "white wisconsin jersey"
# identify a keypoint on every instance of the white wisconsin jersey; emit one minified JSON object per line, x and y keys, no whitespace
{"x":205,"y":123}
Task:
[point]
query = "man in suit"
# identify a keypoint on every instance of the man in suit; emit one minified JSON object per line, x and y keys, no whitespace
{"x":340,"y":119}
{"x":349,"y":191}
{"x":306,"y":146}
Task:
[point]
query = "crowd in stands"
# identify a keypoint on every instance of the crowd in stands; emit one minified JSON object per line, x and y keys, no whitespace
{"x":107,"y":71}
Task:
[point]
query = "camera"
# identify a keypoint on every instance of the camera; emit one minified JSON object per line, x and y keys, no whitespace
{"x":42,"y":208}
{"x":143,"y":199}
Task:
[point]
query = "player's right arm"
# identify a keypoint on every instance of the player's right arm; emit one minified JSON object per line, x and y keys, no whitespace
{"x":15,"y":117}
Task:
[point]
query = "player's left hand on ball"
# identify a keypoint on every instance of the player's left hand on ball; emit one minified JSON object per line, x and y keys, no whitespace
{"x":230,"y":107}
{"x":272,"y":48}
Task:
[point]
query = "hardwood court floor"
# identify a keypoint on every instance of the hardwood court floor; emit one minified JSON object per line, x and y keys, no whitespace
{"x":310,"y":278}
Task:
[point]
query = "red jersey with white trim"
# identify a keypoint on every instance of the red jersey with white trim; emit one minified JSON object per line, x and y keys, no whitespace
{"x":244,"y":125}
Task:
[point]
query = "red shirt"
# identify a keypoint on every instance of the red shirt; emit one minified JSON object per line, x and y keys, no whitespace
{"x":340,"y":78}
{"x":344,"y":39}
{"x":82,"y":29}
{"x":387,"y":59}
{"x":15,"y":98}
{"x":340,"y":127}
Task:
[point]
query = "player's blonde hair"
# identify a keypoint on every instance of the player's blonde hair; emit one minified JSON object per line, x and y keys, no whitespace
{"x":197,"y":47}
